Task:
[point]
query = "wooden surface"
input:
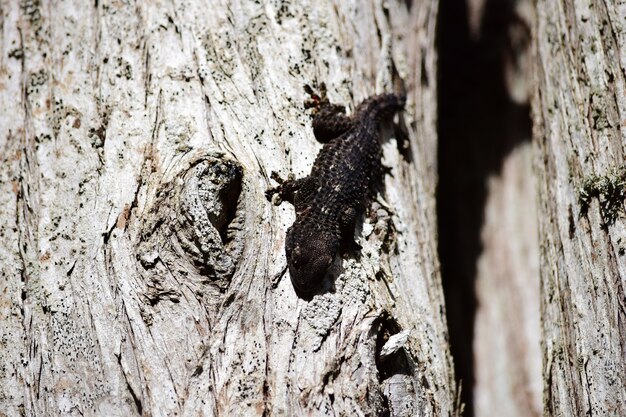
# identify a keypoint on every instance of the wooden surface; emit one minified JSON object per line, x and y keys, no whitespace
{"x":141,"y":266}
{"x":579,"y":112}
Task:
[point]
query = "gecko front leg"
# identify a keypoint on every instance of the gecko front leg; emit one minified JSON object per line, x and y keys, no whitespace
{"x":292,"y":190}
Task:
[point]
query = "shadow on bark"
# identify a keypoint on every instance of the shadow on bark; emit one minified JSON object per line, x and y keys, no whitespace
{"x":479,"y":125}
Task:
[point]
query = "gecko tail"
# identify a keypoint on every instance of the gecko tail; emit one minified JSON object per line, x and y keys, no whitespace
{"x":382,"y":106}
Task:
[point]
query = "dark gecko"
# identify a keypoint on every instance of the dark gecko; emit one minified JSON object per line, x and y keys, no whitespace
{"x":339,"y":186}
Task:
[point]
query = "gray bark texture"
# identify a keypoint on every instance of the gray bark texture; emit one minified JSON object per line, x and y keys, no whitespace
{"x":579,"y":114}
{"x":142,"y":270}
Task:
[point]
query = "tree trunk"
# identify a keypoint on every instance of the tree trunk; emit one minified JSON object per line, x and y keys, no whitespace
{"x":143,"y":270}
{"x":579,"y":117}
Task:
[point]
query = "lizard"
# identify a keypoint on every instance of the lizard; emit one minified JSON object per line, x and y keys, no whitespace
{"x":339,"y":187}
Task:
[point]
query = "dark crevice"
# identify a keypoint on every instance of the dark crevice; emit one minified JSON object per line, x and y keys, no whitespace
{"x":136,"y":399}
{"x":424,"y":71}
{"x":397,"y":362}
{"x":224,"y":182}
{"x":385,"y":407}
{"x":478,"y":127}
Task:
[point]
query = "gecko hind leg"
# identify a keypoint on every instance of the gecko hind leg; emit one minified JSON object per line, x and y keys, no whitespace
{"x":329,"y":120}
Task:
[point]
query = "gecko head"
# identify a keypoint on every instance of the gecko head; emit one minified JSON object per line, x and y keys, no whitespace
{"x":308,"y":256}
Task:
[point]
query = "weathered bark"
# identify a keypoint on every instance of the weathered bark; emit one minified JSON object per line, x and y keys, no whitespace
{"x":143,"y":269}
{"x":579,"y":117}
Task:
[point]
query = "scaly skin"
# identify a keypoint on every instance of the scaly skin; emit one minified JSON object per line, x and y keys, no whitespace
{"x":338,"y":188}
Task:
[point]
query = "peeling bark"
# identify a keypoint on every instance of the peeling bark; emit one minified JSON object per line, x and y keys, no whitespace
{"x":579,"y":112}
{"x":142,"y":268}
